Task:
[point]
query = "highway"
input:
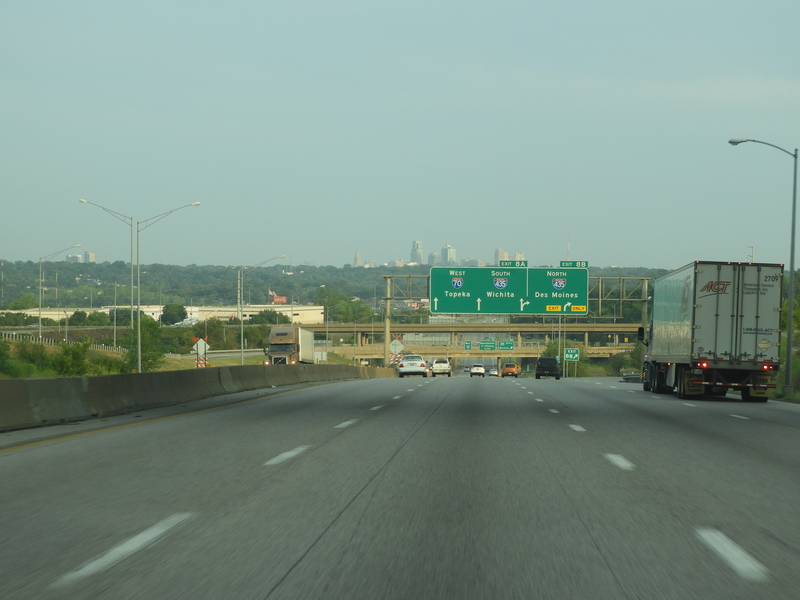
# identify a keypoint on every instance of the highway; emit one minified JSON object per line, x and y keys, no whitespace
{"x":464,"y":488}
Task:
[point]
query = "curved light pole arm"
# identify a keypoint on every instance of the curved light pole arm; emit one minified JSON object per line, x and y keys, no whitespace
{"x":129,"y":222}
{"x":141,"y":226}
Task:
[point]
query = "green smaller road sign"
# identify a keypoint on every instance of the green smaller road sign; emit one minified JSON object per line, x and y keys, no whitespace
{"x":487,"y":345}
{"x":513,"y":263}
{"x":467,"y":345}
{"x":584,"y":264}
{"x":506,"y":344}
{"x":572,"y":354}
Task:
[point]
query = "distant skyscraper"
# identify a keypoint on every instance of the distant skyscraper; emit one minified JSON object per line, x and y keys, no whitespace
{"x":357,"y":260}
{"x":519,"y":256}
{"x":75,"y":258}
{"x":499,"y":255}
{"x":434,"y":259}
{"x":416,"y":252}
{"x":88,"y":257}
{"x":448,"y":255}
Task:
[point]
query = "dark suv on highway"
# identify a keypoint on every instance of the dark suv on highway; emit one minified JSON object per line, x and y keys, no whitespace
{"x":547,"y":366}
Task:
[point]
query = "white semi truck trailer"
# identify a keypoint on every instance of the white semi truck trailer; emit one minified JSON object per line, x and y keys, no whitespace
{"x":715,"y":326}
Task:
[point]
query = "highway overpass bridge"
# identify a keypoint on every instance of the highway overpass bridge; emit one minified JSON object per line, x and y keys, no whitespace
{"x":621,"y":337}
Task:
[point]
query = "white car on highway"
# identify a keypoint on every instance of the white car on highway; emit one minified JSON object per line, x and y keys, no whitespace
{"x":441,"y":366}
{"x":412,"y":364}
{"x":477,"y":369}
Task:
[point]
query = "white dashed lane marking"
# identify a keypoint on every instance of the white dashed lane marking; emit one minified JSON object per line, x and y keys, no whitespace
{"x":345,"y":424}
{"x":620,"y":461}
{"x":741,"y":417}
{"x":377,"y":407}
{"x":124,"y":550}
{"x":577,"y":428}
{"x":553,"y":410}
{"x":729,"y":551}
{"x":286,"y":456}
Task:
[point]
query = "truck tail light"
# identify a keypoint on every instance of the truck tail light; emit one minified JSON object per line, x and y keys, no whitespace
{"x":768,"y":367}
{"x":701,"y":364}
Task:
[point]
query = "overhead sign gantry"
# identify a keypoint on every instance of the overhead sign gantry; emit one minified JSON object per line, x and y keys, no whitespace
{"x":509,"y":290}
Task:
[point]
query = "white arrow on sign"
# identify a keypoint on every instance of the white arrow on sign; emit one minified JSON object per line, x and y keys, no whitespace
{"x":522,"y":304}
{"x":435,"y":304}
{"x":479,"y":304}
{"x":567,"y":305}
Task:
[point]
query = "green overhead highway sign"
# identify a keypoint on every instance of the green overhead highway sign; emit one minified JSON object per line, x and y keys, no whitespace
{"x":509,"y":290}
{"x":505,"y":345}
{"x":467,"y":345}
{"x":487,"y":345}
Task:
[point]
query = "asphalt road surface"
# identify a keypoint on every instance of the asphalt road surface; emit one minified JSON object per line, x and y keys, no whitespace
{"x":412,"y":488}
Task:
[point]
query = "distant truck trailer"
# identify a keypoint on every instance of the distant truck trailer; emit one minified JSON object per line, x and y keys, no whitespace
{"x":715,"y":326}
{"x":290,"y":345}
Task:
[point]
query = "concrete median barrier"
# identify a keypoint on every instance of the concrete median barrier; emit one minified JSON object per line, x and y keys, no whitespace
{"x":28,"y":403}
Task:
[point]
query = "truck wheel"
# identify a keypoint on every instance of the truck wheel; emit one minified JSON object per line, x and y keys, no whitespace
{"x":425,"y":375}
{"x":450,"y":374}
{"x":401,"y":375}
{"x":433,"y":374}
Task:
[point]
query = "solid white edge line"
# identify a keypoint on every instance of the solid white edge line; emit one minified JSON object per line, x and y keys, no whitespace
{"x":733,"y":554}
{"x":345,"y":424}
{"x":577,"y":428}
{"x":620,"y":461}
{"x":286,"y":456}
{"x":124,"y":550}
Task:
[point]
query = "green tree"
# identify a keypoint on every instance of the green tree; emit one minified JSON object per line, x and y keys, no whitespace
{"x":72,"y":361}
{"x":23,"y":302}
{"x":152,"y":352}
{"x":269,"y":316}
{"x":173,"y":313}
{"x":97,"y":319}
{"x":78,"y":318}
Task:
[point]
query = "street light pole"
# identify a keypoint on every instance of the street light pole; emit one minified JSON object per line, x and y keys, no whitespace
{"x":239,"y":292}
{"x":41,"y":259}
{"x":788,"y":387}
{"x":141,"y":226}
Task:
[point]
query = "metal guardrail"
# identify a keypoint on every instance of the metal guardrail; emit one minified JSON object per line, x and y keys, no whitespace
{"x":28,"y":337}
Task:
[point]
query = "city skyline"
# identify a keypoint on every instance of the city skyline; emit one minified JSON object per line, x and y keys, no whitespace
{"x":482,"y":126}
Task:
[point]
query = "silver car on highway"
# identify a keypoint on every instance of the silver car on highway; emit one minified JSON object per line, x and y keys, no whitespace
{"x":412,"y":364}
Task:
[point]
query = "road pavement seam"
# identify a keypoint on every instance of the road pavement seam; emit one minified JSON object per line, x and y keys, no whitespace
{"x":733,"y":554}
{"x":123,"y":550}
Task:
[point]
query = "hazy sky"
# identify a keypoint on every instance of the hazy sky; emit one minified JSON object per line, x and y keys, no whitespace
{"x":313,"y":129}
